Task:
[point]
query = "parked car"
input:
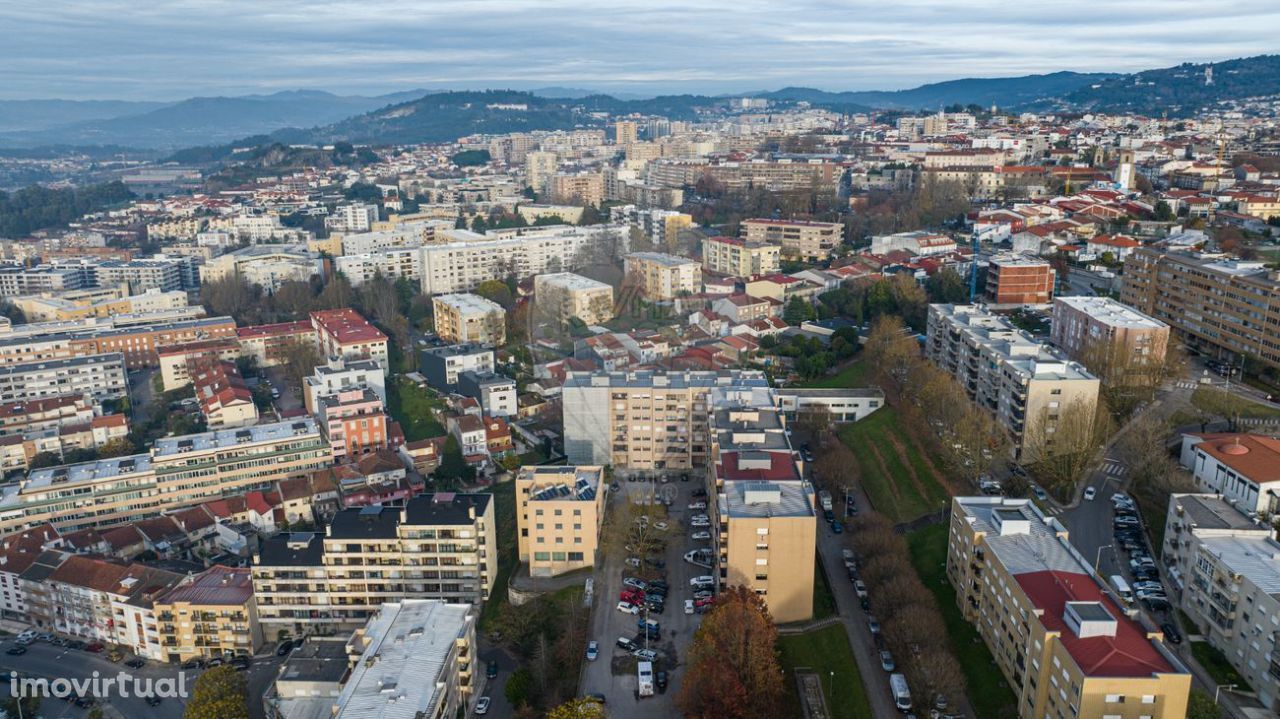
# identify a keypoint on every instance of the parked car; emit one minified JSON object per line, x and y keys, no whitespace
{"x":593,"y":650}
{"x":645,"y":655}
{"x":633,"y":562}
{"x":688,"y":606}
{"x":284,"y":648}
{"x":491,"y":670}
{"x":627,"y":644}
{"x":1171,"y":633}
{"x":697,"y":505}
{"x":886,"y":661}
{"x":633,"y":582}
{"x":705,"y":580}
{"x":16,"y":651}
{"x":660,"y":679}
{"x":1090,"y":493}
{"x":192,"y":664}
{"x":873,"y":624}
{"x":628,"y":608}
{"x":482,"y":705}
{"x":153,"y":701}
{"x":700,"y":536}
{"x":859,"y":588}
{"x":136,"y":663}
{"x":837,"y":528}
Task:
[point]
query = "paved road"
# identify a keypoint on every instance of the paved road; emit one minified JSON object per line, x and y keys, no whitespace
{"x":495,"y":688}
{"x":48,"y":661}
{"x":608,"y":624}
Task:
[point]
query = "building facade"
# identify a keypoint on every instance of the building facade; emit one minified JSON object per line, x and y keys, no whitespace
{"x":663,"y":277}
{"x":799,"y":239}
{"x":1019,"y":280}
{"x":563,"y":295}
{"x":1102,"y":327}
{"x":559,"y":511}
{"x":464,"y":317}
{"x":740,"y":258}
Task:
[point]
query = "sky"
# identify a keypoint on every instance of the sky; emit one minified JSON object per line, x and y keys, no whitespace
{"x":172,"y":49}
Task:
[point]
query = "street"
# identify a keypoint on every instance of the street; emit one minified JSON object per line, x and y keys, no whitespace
{"x":50,"y":662}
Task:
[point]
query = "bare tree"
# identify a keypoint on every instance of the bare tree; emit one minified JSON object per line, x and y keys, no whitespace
{"x":892,"y":353}
{"x":1061,"y":443}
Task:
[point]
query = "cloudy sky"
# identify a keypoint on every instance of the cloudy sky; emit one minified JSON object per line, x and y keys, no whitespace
{"x":129,"y":49}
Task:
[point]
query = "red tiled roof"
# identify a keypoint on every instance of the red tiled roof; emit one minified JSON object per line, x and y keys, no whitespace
{"x":277,"y":330}
{"x":347,"y":326}
{"x":782,"y":466}
{"x":1128,"y":654}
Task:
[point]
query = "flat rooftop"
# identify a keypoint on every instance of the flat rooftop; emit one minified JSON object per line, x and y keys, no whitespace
{"x":1209,"y":511}
{"x":758,"y":500}
{"x":558,"y":484}
{"x":570,"y":281}
{"x":666,"y":380}
{"x":100,"y":470}
{"x":225,"y":438}
{"x":1111,"y":312}
{"x":468,"y":304}
{"x":661,"y":258}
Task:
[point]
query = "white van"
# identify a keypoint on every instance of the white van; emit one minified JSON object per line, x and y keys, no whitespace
{"x":901,"y":694}
{"x":1122,"y":587}
{"x":644,"y":674}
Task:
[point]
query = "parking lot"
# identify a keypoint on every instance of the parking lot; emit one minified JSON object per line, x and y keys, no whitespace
{"x":613,"y":674}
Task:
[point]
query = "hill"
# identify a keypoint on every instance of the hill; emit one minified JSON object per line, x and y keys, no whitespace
{"x":1178,"y":91}
{"x":29,"y":115}
{"x":1001,"y":91}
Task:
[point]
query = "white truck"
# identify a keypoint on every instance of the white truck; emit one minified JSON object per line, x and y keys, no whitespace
{"x":901,"y":694}
{"x":824,"y":497}
{"x":644,"y":674}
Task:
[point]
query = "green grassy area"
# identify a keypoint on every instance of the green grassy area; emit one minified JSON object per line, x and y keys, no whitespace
{"x":822,"y":652}
{"x":890,"y":486}
{"x":1222,"y":403}
{"x":824,"y":602}
{"x":988,"y":692}
{"x":1215,"y":662}
{"x":855,"y":375}
{"x":504,"y":515}
{"x":413,"y":407}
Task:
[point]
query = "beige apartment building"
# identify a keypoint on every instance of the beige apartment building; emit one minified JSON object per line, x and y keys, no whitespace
{"x":563,"y":295}
{"x":1222,"y":306}
{"x":1027,"y":385}
{"x":1225,"y":568}
{"x":1102,"y":328}
{"x":439,"y":546}
{"x":663,"y":277}
{"x":625,"y":132}
{"x":799,"y":239}
{"x":740,"y":258}
{"x":558,"y":517}
{"x":465,"y":317}
{"x":211,"y":614}
{"x":1060,"y":638}
{"x":580,"y":189}
{"x":178,"y":472}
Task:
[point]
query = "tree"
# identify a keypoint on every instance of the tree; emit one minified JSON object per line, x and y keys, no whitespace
{"x":1060,"y":443}
{"x":518,"y":687}
{"x":453,"y":466}
{"x":496,"y":291}
{"x":1201,"y":706}
{"x":946,"y":285}
{"x":578,"y":709}
{"x":219,"y":693}
{"x":733,"y":661}
{"x":299,"y":359}
{"x":44,"y":459}
{"x":814,"y":421}
{"x":797,"y":311}
{"x":892,"y":353}
{"x":1163,"y":213}
{"x":118,"y":447}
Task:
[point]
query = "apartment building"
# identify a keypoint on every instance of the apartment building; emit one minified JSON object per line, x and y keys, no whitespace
{"x":210,"y":614}
{"x":267,"y":266}
{"x":354,"y":421}
{"x":1225,"y":568}
{"x":1019,"y":280}
{"x":563,"y":295}
{"x":101,"y":377}
{"x":356,"y":217}
{"x":225,"y":399}
{"x":139,"y":343}
{"x":417,"y":656}
{"x":178,"y":362}
{"x":799,"y":239}
{"x":347,"y":334}
{"x":496,"y":393}
{"x":391,"y":263}
{"x":81,"y":304}
{"x":178,"y":472}
{"x":1061,"y":640}
{"x":22,"y":280}
{"x":643,"y":421}
{"x":661,"y":227}
{"x":268,"y":344}
{"x":18,"y":418}
{"x":465,"y":259}
{"x":1243,"y":468}
{"x":439,"y":546}
{"x":467,"y":318}
{"x":1221,"y":306}
{"x":443,"y":365}
{"x":1026,"y":384}
{"x":538,"y":169}
{"x":737,"y":257}
{"x":579,"y":189}
{"x":663,"y":277}
{"x":1102,"y":328}
{"x":339,"y":375}
{"x":559,"y":512}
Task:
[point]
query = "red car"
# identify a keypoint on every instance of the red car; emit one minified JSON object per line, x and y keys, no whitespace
{"x":708,"y":601}
{"x":95,"y":648}
{"x":633,"y":596}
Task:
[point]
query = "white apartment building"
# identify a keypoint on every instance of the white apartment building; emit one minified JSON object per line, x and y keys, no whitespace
{"x":468,"y":258}
{"x":101,"y":377}
{"x":352,"y":218}
{"x":265,"y":265}
{"x":390,"y":263}
{"x":564,"y":295}
{"x":338,"y":375}
{"x":464,"y":317}
{"x":1025,"y":383}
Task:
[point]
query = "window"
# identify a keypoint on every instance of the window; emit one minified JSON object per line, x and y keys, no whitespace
{"x":1115,"y":699}
{"x":541,"y":556}
{"x":575,"y":556}
{"x":1148,"y":698}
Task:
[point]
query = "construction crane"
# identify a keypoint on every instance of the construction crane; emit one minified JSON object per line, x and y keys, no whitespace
{"x":973,"y":269}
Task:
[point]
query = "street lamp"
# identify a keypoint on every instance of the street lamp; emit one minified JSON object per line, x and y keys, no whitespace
{"x":1218,"y":689}
{"x":1098,"y":557}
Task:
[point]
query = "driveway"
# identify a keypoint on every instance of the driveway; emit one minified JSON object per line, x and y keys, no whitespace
{"x":608,"y":624}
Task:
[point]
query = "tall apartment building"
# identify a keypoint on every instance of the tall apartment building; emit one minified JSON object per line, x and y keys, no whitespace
{"x":799,"y":239}
{"x":625,"y":132}
{"x":138,"y":343}
{"x":643,"y":420}
{"x":1218,"y":305}
{"x":438,"y":546}
{"x":467,"y":258}
{"x":1059,"y":637}
{"x":1026,"y":384}
{"x":563,"y":295}
{"x":661,"y":227}
{"x":339,"y":375}
{"x":740,"y":258}
{"x":208,"y":615}
{"x":442,"y":366}
{"x":265,"y":265}
{"x":178,"y":472}
{"x":663,"y":277}
{"x":391,"y":263}
{"x":1019,"y":280}
{"x":101,"y":377}
{"x":1243,"y":468}
{"x":1103,"y":328}
{"x":356,"y":217}
{"x":347,"y":334}
{"x":559,"y":511}
{"x":414,"y":658}
{"x":1225,"y":569}
{"x":354,"y":421}
{"x":538,"y":169}
{"x":469,"y":318}
{"x":582,"y":189}
{"x":22,"y":280}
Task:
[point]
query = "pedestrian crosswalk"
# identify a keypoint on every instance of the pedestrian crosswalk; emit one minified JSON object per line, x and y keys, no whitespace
{"x":1188,"y":385}
{"x":1113,"y":468}
{"x":1255,"y":421}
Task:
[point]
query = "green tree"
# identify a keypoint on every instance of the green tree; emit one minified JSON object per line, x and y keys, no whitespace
{"x":797,"y":311}
{"x":947,"y":286}
{"x":44,"y":459}
{"x":578,"y":709}
{"x":118,"y":447}
{"x":470,"y":158}
{"x":496,"y":291}
{"x":519,"y":687}
{"x":1163,"y":212}
{"x":219,"y":693}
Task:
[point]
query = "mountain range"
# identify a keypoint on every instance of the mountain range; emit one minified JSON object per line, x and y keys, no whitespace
{"x":310,"y":116}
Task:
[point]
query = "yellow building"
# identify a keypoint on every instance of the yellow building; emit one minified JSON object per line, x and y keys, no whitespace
{"x":1059,"y":637}
{"x":740,"y":258}
{"x":464,"y":317}
{"x":580,"y":189}
{"x":625,"y":132}
{"x":767,"y":539}
{"x":799,"y":239}
{"x":663,"y":277}
{"x":564,"y":295}
{"x":211,"y":614}
{"x":558,"y":517}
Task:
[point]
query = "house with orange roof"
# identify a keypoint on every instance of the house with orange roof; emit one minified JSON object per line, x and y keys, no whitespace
{"x":1242,"y":467}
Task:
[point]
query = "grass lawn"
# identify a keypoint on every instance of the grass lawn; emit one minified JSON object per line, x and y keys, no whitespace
{"x":824,"y":603}
{"x":1215,"y":662}
{"x":988,"y":691}
{"x":412,"y":406}
{"x":1219,"y":401}
{"x":890,"y":485}
{"x":822,"y":652}
{"x":855,"y":375}
{"x":504,"y":514}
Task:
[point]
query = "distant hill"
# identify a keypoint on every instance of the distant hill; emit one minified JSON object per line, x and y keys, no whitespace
{"x":27,"y":115}
{"x":206,"y":119}
{"x":1001,"y":91}
{"x":1178,"y":91}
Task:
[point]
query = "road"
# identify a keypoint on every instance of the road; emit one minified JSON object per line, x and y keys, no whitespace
{"x":499,"y":707}
{"x":608,"y":624}
{"x":47,"y":661}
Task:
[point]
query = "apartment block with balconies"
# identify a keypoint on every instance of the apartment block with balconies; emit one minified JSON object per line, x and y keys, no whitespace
{"x":211,"y":614}
{"x":558,"y":517}
{"x":465,"y":317}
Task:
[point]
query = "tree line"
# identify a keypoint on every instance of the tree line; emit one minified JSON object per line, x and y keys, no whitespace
{"x":38,"y":207}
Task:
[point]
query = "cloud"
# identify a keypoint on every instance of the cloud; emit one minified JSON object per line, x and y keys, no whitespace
{"x":169,"y":50}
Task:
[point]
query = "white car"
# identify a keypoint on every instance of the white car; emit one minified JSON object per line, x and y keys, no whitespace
{"x":628,"y":608}
{"x":688,"y":606}
{"x":1090,"y":493}
{"x":697,"y":505}
{"x":701,"y":536}
{"x":646,"y":655}
{"x":704,"y":580}
{"x":661,"y":526}
{"x":482,"y":706}
{"x":699,"y":518}
{"x":634,"y":583}
{"x":593,"y":650}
